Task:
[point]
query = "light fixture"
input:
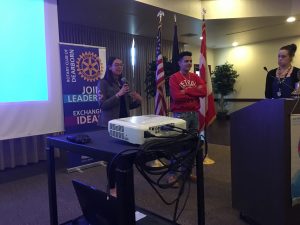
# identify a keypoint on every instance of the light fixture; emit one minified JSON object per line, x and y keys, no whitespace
{"x":201,"y":37}
{"x":132,"y":52}
{"x":234,"y":44}
{"x":291,"y":19}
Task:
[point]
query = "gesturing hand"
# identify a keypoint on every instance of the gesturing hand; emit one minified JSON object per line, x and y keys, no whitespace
{"x":136,"y":96}
{"x":123,"y":90}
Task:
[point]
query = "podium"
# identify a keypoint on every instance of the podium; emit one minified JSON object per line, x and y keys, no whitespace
{"x":261,"y":162}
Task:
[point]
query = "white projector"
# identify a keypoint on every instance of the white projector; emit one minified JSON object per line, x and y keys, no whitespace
{"x":139,"y":129}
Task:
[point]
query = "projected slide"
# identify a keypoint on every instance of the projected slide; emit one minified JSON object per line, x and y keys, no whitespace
{"x":23,"y":51}
{"x":30,"y":79}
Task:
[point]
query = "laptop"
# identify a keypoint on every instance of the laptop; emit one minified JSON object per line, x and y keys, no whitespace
{"x":96,"y":208}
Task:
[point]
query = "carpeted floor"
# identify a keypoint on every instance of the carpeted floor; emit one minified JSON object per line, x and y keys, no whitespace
{"x":24,"y":196}
{"x":25,"y":200}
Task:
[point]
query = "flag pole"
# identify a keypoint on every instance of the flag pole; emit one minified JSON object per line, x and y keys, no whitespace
{"x":157,"y":163}
{"x":160,"y":14}
{"x":207,"y":160}
{"x":175,"y":50}
{"x":160,"y":97}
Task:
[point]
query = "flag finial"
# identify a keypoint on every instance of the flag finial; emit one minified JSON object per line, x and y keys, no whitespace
{"x":160,"y":14}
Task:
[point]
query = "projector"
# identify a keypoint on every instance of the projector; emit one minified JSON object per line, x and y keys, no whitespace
{"x":139,"y":129}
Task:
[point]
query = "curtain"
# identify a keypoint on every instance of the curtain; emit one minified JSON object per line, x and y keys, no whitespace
{"x":119,"y":44}
{"x":22,"y":151}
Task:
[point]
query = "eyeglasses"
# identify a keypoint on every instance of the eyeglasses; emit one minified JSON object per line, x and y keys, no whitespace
{"x":118,"y":64}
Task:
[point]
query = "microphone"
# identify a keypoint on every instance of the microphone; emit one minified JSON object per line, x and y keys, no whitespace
{"x":292,"y":89}
{"x":124,"y":80}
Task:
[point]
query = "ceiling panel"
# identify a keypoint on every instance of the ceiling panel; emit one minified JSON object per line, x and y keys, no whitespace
{"x":137,"y":18}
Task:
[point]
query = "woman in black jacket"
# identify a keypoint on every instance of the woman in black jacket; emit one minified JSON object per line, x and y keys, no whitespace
{"x":281,"y":81}
{"x":115,"y":100}
{"x":114,"y":95}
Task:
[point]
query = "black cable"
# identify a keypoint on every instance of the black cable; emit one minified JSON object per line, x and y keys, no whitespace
{"x":185,"y":202}
{"x":173,"y":127}
{"x":110,"y":165}
{"x":177,"y":153}
{"x":193,"y":132}
{"x":281,"y":82}
{"x":176,"y":166}
{"x":175,"y":214}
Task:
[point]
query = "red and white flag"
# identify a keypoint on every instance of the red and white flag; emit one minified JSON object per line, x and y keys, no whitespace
{"x":207,"y":105}
{"x":160,"y":97}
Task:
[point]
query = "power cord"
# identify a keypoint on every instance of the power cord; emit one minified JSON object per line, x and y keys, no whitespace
{"x":192,"y":131}
{"x":112,"y":164}
{"x":177,"y":154}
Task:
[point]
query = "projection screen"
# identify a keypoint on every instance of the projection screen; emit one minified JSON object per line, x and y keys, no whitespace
{"x":30,"y":83}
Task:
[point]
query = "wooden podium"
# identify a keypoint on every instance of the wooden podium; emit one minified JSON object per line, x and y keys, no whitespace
{"x":261,"y":162}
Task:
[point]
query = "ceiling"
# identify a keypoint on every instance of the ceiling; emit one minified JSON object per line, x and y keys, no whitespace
{"x":137,"y":18}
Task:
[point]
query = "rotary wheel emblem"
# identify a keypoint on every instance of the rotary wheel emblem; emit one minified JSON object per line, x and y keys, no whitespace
{"x":89,"y":66}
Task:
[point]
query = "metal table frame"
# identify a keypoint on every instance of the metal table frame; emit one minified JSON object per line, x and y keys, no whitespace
{"x":103,"y":147}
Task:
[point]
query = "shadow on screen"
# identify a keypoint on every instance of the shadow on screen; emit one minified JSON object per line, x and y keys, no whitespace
{"x":95,"y":207}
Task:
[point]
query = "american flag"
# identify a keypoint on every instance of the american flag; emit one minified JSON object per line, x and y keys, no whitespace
{"x":160,"y":97}
{"x":207,"y":105}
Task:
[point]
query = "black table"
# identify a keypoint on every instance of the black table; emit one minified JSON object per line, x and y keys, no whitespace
{"x":103,"y":147}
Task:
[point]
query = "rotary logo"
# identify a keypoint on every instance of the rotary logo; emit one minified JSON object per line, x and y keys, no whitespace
{"x":89,"y":66}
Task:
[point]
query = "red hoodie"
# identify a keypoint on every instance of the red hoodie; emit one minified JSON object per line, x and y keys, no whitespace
{"x":193,"y":86}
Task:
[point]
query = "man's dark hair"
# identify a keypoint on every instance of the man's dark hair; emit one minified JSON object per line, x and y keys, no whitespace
{"x":182,"y":54}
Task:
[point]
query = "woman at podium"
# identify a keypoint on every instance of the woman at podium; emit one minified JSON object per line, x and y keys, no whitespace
{"x":282,"y":82}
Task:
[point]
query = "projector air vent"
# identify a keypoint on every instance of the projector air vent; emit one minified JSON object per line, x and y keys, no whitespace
{"x":117,"y":131}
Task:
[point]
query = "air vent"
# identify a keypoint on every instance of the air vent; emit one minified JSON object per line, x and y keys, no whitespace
{"x":117,"y":131}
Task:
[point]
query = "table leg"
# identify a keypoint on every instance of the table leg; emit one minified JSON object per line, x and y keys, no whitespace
{"x":125,"y":192}
{"x":52,"y":185}
{"x":200,"y":187}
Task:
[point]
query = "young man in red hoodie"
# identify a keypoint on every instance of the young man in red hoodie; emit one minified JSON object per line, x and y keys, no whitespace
{"x":185,"y":90}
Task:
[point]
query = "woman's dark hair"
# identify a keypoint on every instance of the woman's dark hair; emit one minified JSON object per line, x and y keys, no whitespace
{"x":292,"y":48}
{"x":108,"y":76}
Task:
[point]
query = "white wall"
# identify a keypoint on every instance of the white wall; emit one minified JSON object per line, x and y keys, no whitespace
{"x":195,"y":50}
{"x":249,"y":61}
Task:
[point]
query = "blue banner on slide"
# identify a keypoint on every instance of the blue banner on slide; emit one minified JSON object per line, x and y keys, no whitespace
{"x":81,"y":69}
